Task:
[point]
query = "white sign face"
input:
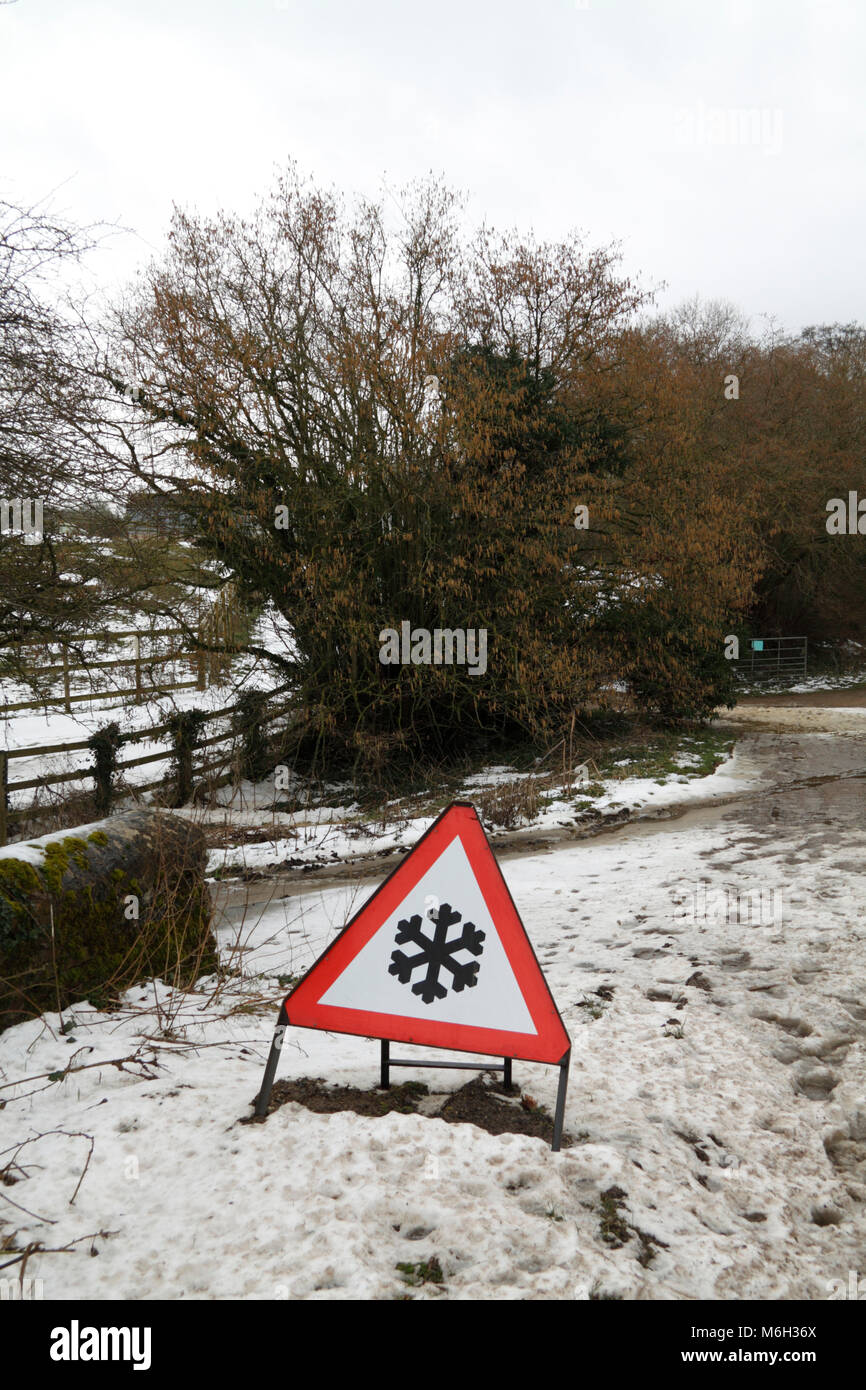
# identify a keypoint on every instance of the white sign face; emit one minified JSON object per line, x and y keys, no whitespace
{"x":382,"y":977}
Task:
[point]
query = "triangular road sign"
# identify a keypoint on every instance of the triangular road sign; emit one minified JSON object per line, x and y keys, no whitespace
{"x":438,"y":955}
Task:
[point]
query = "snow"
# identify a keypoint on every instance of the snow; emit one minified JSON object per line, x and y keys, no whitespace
{"x":326,"y":834}
{"x":33,"y":851}
{"x":50,"y":725}
{"x":812,"y":683}
{"x":708,"y":1101}
{"x":33,"y":728}
{"x":27,"y":853}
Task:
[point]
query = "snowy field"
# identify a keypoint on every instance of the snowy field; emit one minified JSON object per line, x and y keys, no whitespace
{"x":711,"y":972}
{"x":34,"y":728}
{"x":50,"y":725}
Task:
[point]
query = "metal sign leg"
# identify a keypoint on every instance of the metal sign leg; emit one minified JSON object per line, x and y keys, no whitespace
{"x":385,"y":1074}
{"x":506,"y":1074}
{"x":271,"y":1068}
{"x":560,"y":1101}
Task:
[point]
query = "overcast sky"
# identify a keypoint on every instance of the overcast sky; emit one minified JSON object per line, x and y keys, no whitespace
{"x":722,"y":142}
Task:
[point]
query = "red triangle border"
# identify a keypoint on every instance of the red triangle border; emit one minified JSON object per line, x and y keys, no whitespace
{"x":550,"y":1043}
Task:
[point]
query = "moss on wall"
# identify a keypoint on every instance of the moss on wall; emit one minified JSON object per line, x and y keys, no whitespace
{"x":102,"y":913}
{"x":18,"y":883}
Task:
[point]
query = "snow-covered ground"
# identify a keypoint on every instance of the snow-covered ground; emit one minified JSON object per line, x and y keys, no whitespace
{"x":33,"y":728}
{"x":718,"y":1082}
{"x":822,"y":681}
{"x":326,"y":834}
{"x":20,"y":729}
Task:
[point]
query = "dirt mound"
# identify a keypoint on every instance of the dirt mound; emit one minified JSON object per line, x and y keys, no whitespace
{"x":487,"y":1104}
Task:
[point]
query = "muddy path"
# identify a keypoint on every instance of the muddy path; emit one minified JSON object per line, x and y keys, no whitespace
{"x":771,"y":752}
{"x":854,"y":697}
{"x":737,"y":936}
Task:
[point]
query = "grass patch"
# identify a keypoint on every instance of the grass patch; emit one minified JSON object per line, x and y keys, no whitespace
{"x":424,"y":1272}
{"x":509,"y":804}
{"x":614,"y":1229}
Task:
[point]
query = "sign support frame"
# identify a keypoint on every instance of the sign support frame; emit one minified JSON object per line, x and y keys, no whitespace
{"x":386,"y":1061}
{"x":264,"y":1095}
{"x":559,"y":1114}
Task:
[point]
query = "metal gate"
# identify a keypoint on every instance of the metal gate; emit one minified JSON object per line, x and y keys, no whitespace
{"x":774,"y":659}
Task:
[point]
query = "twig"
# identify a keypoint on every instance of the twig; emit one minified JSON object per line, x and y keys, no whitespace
{"x":37,"y":1248}
{"x":78,"y":1134}
{"x":36,"y":1217}
{"x":61,"y":1075}
{"x":34,"y":1139}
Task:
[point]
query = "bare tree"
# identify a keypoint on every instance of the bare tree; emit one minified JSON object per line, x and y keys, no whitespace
{"x":56,"y":448}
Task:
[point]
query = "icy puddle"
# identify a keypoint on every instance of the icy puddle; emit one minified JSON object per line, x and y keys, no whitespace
{"x":711,"y":971}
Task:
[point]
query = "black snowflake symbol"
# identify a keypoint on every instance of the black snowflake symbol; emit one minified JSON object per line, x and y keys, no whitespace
{"x":437,"y":954}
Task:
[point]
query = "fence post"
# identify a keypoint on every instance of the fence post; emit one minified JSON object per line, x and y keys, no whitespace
{"x":67,"y":703}
{"x":137,"y":649}
{"x":202,"y":671}
{"x":185,"y":728}
{"x":4,"y":782}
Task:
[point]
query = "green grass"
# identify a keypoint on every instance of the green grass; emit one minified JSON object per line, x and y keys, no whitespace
{"x":666,"y":755}
{"x":613,"y":1228}
{"x":425,"y":1272}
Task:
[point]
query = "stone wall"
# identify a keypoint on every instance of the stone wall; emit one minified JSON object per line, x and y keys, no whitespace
{"x":87,"y":913}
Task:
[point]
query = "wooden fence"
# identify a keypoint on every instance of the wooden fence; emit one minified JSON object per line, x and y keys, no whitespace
{"x":82,"y":774}
{"x":67,"y":667}
{"x":208,"y":654}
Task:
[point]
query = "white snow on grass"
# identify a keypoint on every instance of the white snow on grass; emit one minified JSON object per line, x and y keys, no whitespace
{"x":706,"y":1077}
{"x":20,"y":729}
{"x":809,"y":684}
{"x":330,"y":834}
{"x":32,"y":728}
{"x":33,"y":851}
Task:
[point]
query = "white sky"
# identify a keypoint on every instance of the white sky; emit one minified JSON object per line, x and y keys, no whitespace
{"x":618,"y":117}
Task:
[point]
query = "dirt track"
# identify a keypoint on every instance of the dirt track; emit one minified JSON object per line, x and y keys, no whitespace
{"x":837,"y":699}
{"x":818,"y":712}
{"x":842,"y":713}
